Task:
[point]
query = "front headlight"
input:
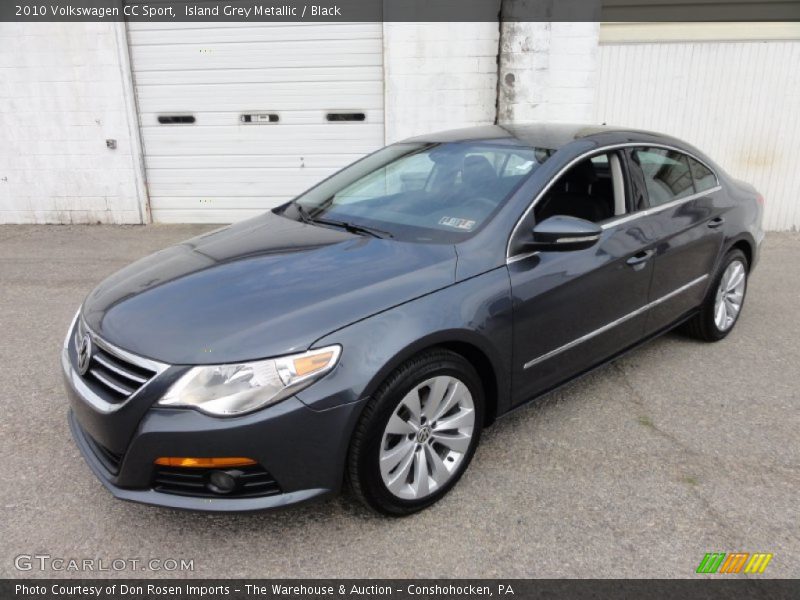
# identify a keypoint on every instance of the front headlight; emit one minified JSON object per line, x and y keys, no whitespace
{"x":235,"y":389}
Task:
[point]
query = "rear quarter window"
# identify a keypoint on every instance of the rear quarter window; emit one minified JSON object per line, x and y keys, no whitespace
{"x":704,"y":178}
{"x":666,"y":174}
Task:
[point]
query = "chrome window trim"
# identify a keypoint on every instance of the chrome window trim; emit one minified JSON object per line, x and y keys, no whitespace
{"x":82,"y":389}
{"x":657,"y":209}
{"x":613,"y":324}
{"x":591,"y":153}
{"x":631,"y":217}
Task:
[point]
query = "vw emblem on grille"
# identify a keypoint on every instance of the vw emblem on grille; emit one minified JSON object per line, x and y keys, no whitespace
{"x":84,"y":354}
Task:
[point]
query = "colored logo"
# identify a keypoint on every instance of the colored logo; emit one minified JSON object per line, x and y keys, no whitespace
{"x":735,"y":562}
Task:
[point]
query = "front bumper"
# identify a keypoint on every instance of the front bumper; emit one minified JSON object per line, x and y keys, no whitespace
{"x":304,"y":450}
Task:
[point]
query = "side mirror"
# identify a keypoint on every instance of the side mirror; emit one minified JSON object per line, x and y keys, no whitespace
{"x":563,"y":233}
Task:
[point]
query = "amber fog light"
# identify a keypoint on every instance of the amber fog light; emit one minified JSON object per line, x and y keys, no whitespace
{"x":204,"y":463}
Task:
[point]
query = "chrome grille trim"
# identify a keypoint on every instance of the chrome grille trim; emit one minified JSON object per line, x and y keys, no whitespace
{"x":112,"y":367}
{"x":138,"y":361}
{"x":122,"y":390}
{"x":107,"y":374}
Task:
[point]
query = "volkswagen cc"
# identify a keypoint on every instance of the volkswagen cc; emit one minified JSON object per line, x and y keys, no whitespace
{"x":367,"y":331}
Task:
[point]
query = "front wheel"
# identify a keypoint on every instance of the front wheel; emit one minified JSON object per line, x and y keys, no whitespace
{"x":418,"y":434}
{"x":724,"y":301}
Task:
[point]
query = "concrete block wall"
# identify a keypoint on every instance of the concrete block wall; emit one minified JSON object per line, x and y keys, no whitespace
{"x":548,"y":71}
{"x":63,"y":94}
{"x":439,"y":76}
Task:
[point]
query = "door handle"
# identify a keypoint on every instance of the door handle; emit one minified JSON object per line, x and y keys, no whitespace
{"x":640,"y":257}
{"x":714,"y":223}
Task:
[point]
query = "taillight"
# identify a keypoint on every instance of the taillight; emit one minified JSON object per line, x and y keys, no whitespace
{"x":760,"y":199}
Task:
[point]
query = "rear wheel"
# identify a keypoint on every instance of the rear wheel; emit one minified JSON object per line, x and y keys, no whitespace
{"x":724,"y":301}
{"x":418,"y":434}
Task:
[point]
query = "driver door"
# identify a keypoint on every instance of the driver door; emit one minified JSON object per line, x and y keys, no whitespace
{"x":576,"y":308}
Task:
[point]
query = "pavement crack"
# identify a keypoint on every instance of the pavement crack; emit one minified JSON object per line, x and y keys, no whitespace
{"x":645,"y":420}
{"x":686,"y":455}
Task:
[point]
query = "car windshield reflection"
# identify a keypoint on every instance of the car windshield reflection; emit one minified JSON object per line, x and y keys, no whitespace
{"x":420,"y":191}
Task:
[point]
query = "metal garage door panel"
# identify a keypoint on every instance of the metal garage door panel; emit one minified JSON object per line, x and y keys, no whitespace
{"x":258,"y":33}
{"x":254,"y":161}
{"x":311,"y":53}
{"x":288,"y":117}
{"x":219,"y":169}
{"x":211,"y":175}
{"x":307,"y":140}
{"x":232,"y":96}
{"x":260,"y":75}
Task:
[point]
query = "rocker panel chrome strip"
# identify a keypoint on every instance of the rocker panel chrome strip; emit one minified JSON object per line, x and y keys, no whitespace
{"x":613,"y":324}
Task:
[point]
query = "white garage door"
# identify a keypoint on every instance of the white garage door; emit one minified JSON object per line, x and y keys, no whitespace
{"x":237,"y":118}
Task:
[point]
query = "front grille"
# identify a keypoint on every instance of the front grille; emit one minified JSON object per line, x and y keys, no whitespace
{"x":110,"y":374}
{"x":254,"y":482}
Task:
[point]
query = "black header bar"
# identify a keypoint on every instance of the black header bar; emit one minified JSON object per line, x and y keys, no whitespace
{"x":454,"y":11}
{"x":713,"y":588}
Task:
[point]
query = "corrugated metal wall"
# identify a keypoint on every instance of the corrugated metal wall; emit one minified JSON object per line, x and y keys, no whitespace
{"x":738,"y":101}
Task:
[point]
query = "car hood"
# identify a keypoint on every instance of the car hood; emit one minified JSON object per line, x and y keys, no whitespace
{"x":263,"y":287}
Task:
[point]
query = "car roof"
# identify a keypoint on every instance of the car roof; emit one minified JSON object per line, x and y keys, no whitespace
{"x":546,"y":135}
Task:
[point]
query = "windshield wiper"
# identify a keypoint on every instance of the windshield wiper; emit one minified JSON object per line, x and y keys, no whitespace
{"x":353,"y":228}
{"x":306,"y":217}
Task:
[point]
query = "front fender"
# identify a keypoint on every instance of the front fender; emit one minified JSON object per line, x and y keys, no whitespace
{"x":475,"y":312}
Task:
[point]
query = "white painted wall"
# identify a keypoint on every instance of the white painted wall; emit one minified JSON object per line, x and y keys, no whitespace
{"x":737,"y":101}
{"x":66,"y":88}
{"x":63,"y":94}
{"x":438,"y":76}
{"x":548,"y":71}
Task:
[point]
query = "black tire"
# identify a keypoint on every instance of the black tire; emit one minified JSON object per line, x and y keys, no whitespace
{"x":702,"y":326}
{"x":363,"y":469}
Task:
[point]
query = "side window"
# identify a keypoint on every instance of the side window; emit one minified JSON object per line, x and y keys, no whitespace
{"x":666,"y":174}
{"x":591,"y":190}
{"x":704,"y":178}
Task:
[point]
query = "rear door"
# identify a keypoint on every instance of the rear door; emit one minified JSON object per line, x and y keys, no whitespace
{"x":684,"y":226}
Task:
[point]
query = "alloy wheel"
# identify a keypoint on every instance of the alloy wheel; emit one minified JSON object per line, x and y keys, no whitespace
{"x":730,"y":295}
{"x":427,"y":437}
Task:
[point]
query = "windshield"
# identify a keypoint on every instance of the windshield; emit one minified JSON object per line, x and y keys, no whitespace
{"x":420,"y":191}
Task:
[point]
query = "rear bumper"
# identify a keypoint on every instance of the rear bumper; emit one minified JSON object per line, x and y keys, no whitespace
{"x":303,"y":450}
{"x":759,"y":239}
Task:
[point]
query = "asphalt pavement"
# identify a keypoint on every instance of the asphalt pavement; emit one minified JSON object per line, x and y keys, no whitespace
{"x":637,"y":470}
